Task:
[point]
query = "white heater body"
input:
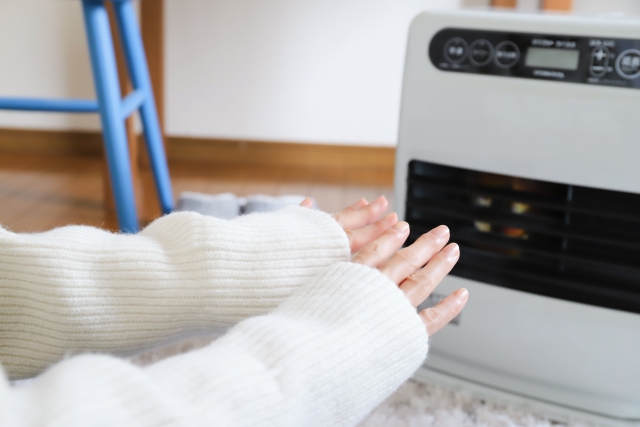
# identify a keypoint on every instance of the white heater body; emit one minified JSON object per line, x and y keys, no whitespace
{"x":561,"y":120}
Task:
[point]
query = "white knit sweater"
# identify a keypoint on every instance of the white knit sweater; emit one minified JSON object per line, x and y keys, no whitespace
{"x":320,"y":342}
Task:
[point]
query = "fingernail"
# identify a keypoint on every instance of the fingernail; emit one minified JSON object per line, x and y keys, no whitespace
{"x":401,"y":227}
{"x":441,"y":232}
{"x":379,"y":201}
{"x":462,"y":295}
{"x":451,"y":251}
{"x":392,"y":218}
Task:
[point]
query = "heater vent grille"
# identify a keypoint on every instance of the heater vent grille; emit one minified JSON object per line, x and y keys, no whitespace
{"x":569,"y":242}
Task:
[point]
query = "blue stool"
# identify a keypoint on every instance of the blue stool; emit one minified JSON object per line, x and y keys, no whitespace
{"x":113,"y":109}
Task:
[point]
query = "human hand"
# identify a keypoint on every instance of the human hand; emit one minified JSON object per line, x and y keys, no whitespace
{"x":407,"y":269}
{"x":362,"y":221}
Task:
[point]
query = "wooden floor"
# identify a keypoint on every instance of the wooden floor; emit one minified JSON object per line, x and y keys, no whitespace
{"x":40,"y":193}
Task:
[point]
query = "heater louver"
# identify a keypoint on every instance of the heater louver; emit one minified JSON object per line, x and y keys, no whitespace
{"x":569,"y":242}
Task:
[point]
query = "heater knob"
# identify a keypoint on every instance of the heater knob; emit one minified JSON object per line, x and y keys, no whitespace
{"x":456,"y":50}
{"x":628,"y":64}
{"x":480,"y":52}
{"x":507,"y":54}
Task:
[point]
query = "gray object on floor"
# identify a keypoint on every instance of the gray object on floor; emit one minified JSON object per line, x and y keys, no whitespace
{"x":264,"y":203}
{"x":225,"y":205}
{"x":228,"y":206}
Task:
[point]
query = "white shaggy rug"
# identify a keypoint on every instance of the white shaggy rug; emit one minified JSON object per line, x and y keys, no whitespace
{"x":419,"y":405}
{"x":415,"y":404}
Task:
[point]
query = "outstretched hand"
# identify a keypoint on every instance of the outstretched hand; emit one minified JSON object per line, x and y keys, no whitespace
{"x":363,"y":221}
{"x":416,"y":269}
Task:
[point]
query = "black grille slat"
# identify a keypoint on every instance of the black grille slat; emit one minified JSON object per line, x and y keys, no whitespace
{"x":469,"y":238}
{"x":558,"y":203}
{"x":519,"y":282}
{"x":573,"y":278}
{"x":569,"y":242}
{"x":539,"y":225}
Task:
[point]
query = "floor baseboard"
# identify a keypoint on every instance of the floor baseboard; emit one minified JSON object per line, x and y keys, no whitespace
{"x":327,"y":163}
{"x":50,"y":142}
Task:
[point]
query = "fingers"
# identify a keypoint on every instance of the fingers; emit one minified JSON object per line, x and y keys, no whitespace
{"x":420,"y":284}
{"x":363,"y":236}
{"x":355,"y":217}
{"x":412,"y":258}
{"x":435,"y":318}
{"x":406,"y":267}
{"x":378,"y":251}
{"x":358,"y":205}
{"x":376,"y":243}
{"x":307,"y":203}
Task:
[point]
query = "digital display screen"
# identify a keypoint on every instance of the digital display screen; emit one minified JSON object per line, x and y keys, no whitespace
{"x":561,"y":59}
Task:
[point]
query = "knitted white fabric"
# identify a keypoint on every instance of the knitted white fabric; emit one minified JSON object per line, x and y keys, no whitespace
{"x":326,"y":356}
{"x":79,"y":289}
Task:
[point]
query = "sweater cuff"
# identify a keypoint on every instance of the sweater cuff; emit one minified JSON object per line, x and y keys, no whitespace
{"x":371,"y":342}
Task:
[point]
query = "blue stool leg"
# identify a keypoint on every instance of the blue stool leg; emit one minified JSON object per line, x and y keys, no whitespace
{"x":139,"y":71}
{"x":105,"y":73}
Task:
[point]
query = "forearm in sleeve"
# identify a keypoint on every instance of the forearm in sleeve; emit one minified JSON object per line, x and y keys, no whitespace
{"x":80,"y":289}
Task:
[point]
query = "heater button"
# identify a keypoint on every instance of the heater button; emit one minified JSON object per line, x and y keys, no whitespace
{"x":480,"y":53}
{"x":599,"y":61}
{"x":507,"y":54}
{"x":456,"y":50}
{"x":628,"y":64}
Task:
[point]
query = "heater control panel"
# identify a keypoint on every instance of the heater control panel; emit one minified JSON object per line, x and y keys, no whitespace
{"x":576,"y":59}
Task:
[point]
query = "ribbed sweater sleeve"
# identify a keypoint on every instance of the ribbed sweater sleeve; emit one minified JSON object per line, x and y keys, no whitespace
{"x":325,"y":357}
{"x":80,"y":289}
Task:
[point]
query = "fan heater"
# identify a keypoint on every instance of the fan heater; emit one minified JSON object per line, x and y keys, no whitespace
{"x":521,"y":132}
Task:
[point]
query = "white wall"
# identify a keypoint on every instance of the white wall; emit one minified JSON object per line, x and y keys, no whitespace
{"x":286,"y":70}
{"x":43,"y":53}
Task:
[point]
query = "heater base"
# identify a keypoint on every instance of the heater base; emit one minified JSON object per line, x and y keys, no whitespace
{"x":552,"y":411}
